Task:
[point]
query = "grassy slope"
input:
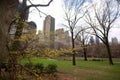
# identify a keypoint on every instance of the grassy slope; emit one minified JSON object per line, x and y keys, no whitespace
{"x":84,"y":70}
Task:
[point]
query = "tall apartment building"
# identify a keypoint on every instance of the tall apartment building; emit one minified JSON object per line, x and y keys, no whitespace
{"x":62,"y":35}
{"x":48,"y":30}
{"x":62,"y":39}
{"x":97,"y":40}
{"x":114,"y":41}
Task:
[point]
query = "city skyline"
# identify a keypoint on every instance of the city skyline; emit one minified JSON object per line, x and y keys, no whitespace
{"x":56,"y":10}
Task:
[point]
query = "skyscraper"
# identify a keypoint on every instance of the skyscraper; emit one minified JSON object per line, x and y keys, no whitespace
{"x":114,"y":41}
{"x":91,"y":40}
{"x":49,"y":29}
{"x":97,"y":40}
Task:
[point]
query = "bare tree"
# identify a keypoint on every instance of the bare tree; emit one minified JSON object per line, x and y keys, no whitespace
{"x":103,"y":21}
{"x":72,"y":10}
{"x":84,"y":40}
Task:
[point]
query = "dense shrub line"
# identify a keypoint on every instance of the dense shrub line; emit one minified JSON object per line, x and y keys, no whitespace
{"x":40,"y":68}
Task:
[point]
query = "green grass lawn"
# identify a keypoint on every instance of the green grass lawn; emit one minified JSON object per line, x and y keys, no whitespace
{"x":84,"y":70}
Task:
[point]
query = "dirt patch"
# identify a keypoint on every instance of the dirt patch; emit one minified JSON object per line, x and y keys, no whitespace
{"x":63,"y":76}
{"x":56,"y":76}
{"x":91,"y":73}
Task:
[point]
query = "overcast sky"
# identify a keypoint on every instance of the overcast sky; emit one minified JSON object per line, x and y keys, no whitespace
{"x":56,"y":10}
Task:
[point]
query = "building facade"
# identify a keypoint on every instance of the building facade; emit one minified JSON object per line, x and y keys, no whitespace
{"x":114,"y":41}
{"x":62,"y":39}
{"x":48,"y":30}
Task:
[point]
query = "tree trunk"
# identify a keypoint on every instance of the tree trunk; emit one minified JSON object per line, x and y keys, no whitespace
{"x":73,"y":46}
{"x":7,"y":11}
{"x":85,"y":53}
{"x":109,"y":52}
{"x":84,"y":50}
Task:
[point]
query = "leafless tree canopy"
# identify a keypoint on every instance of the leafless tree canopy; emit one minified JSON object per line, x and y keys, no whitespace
{"x":104,"y":17}
{"x":72,"y":9}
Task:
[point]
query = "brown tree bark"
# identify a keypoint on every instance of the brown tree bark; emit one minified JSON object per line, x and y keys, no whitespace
{"x":109,"y":52}
{"x":7,"y":11}
{"x":73,"y":46}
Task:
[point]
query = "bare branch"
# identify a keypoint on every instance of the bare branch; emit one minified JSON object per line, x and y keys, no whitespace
{"x":82,"y":30}
{"x":40,"y":5}
{"x":105,"y":16}
{"x":37,"y":8}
